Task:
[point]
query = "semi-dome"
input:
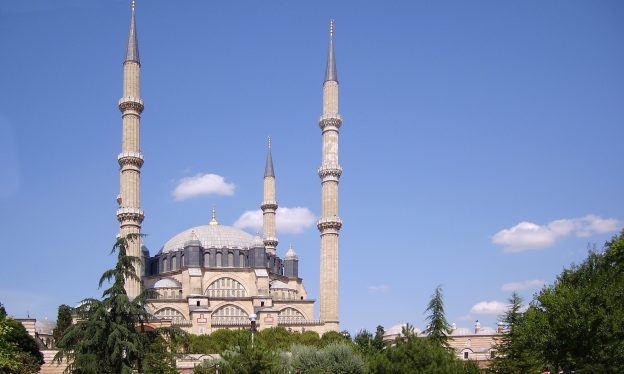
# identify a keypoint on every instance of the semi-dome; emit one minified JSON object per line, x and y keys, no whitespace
{"x":210,"y":236}
{"x":167,"y":283}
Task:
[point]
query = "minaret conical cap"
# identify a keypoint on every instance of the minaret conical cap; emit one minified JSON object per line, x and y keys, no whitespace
{"x":268,"y":169}
{"x":330,"y":70}
{"x":132,"y":51}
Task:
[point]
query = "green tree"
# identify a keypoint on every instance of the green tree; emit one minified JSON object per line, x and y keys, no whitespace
{"x":110,"y":335}
{"x":245,"y":359}
{"x":18,"y":350}
{"x":513,"y":354}
{"x":278,"y":338}
{"x":438,"y":328}
{"x":411,"y":354}
{"x":310,"y":338}
{"x":161,"y":352}
{"x":63,"y":321}
{"x":364,"y":342}
{"x":378,"y":342}
{"x":575,"y":324}
{"x":581,"y":316}
{"x":331,"y":337}
{"x":335,"y":358}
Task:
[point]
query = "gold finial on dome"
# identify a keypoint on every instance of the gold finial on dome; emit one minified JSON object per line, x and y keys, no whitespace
{"x":213,"y":221}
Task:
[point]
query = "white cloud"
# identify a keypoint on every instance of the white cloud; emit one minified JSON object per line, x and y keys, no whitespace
{"x":528,"y":235}
{"x":516,"y":286}
{"x":202,"y":184}
{"x":489,"y":307}
{"x":378,"y":288}
{"x":287,"y":220}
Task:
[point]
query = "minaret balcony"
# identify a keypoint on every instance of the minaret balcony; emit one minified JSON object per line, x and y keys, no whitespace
{"x":131,"y":103}
{"x":330,"y":121}
{"x":270,"y":242}
{"x":130,"y":214}
{"x":331,"y":172}
{"x":268,"y":205}
{"x":329,"y":223}
{"x":130,"y":158}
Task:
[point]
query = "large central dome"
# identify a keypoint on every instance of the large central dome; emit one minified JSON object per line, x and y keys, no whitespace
{"x":211,"y":236}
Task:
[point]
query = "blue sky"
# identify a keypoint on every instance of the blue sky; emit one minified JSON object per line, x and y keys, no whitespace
{"x":480,"y":144}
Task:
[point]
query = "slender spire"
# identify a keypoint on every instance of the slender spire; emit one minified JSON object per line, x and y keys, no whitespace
{"x":213,"y":221}
{"x":132,"y":51}
{"x":330,"y":70}
{"x":268,"y":169}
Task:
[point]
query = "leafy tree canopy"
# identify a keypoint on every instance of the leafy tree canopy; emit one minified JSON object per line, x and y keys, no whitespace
{"x":18,"y":350}
{"x":63,"y":321}
{"x":575,"y":324}
{"x":411,"y":354}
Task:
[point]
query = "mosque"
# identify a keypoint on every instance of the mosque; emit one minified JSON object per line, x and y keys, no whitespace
{"x":215,"y":276}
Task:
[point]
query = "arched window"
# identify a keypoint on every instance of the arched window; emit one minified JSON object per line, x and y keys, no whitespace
{"x":163,"y":265}
{"x":290,"y":315}
{"x":173,"y":263}
{"x":219,"y":260}
{"x":230,"y":259}
{"x":229,"y":315}
{"x":169,"y":314}
{"x":226,"y":287}
{"x":241,"y":260}
{"x":182,"y":261}
{"x":207,"y":259}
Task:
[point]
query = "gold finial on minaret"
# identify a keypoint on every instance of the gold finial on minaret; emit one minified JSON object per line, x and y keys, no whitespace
{"x":269,"y":143}
{"x":133,"y":5}
{"x":331,"y":27}
{"x":213,"y":221}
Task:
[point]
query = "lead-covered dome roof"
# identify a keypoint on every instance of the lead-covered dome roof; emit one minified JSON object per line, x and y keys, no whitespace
{"x":210,"y":236}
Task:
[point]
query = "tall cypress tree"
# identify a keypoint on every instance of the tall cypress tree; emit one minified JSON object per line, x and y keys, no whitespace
{"x":63,"y":321}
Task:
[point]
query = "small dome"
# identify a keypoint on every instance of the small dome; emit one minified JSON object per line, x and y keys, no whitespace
{"x":462,"y":331}
{"x":45,"y":326}
{"x":291,"y":254}
{"x":167,"y":283}
{"x":487,"y":331}
{"x":279,"y":285}
{"x":397,"y":330}
{"x":210,"y":236}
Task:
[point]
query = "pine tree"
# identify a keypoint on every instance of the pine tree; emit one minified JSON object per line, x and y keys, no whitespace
{"x":109,"y":336}
{"x":439,"y":328}
{"x":511,"y":353}
{"x":63,"y":321}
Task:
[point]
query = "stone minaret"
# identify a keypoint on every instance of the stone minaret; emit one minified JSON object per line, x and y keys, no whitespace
{"x":130,"y":159}
{"x":330,"y":171}
{"x":269,"y":205}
